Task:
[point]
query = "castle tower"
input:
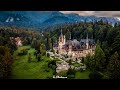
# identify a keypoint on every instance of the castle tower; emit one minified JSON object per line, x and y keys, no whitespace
{"x":64,"y":39}
{"x":61,"y":38}
{"x":70,"y":45}
{"x":61,"y":41}
{"x":61,"y":32}
{"x":87,"y":43}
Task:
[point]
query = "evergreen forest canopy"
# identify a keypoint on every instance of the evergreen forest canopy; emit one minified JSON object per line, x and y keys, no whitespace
{"x":107,"y":54}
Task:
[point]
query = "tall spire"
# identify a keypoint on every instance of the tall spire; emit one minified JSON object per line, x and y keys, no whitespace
{"x":87,"y":41}
{"x":61,"y":32}
{"x":70,"y":36}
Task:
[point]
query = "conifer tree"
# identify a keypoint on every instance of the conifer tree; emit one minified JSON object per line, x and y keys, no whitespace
{"x":99,"y":58}
{"x":113,"y":67}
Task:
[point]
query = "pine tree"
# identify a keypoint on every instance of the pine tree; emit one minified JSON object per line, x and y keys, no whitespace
{"x":39,"y":57}
{"x":115,"y":25}
{"x":29,"y":57}
{"x":34,"y":43}
{"x":90,"y":62}
{"x":113,"y":67}
{"x":99,"y":58}
{"x":6,"y":62}
{"x":116,"y":45}
{"x":48,"y":43}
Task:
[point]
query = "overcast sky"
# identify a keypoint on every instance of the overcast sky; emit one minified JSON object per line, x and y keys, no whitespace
{"x":97,"y":13}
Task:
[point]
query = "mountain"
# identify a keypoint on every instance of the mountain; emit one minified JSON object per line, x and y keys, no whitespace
{"x":44,"y":19}
{"x":26,"y":18}
{"x":57,"y":20}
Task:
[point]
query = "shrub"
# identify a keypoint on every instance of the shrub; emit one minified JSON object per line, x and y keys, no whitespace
{"x":47,"y":70}
{"x":53,"y":62}
{"x":27,"y":48}
{"x":53,"y":66}
{"x":23,"y":52}
{"x":47,"y":61}
{"x":81,"y":70}
{"x":48,"y":55}
{"x":54,"y":72}
{"x":62,"y":73}
{"x":71,"y":71}
{"x":71,"y":76}
{"x":50,"y":65}
{"x":20,"y":53}
{"x":49,"y":77}
{"x":43,"y":52}
{"x":52,"y":56}
{"x":95,"y":75}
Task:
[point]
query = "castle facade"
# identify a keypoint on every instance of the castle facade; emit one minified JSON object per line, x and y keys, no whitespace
{"x":74,"y":48}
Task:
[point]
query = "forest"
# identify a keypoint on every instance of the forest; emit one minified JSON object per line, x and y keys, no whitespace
{"x":105,"y":62}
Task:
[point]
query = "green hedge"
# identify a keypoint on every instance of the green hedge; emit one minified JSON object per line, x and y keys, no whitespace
{"x":23,"y":52}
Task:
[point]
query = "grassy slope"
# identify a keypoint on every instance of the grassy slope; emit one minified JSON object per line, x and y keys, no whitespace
{"x":82,"y":75}
{"x":21,"y":69}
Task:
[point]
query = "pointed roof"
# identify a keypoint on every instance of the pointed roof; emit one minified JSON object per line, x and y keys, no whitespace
{"x":61,"y":34}
{"x":70,"y":36}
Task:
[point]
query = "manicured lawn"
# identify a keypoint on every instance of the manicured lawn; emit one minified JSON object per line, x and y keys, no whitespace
{"x":21,"y":69}
{"x":82,"y":75}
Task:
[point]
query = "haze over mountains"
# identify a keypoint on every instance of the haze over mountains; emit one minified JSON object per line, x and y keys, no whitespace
{"x":44,"y":19}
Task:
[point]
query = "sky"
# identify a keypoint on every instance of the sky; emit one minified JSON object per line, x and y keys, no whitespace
{"x":96,"y":13}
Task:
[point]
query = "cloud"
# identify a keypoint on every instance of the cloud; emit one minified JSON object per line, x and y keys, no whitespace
{"x":79,"y":12}
{"x":108,"y":13}
{"x":96,"y":13}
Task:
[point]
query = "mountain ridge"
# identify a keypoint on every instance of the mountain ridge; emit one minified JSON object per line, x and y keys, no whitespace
{"x":43,"y":19}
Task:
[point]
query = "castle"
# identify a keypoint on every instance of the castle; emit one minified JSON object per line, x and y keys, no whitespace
{"x":74,"y":48}
{"x":17,"y":41}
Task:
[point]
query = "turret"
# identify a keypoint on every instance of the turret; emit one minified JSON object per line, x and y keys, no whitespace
{"x":70,"y":36}
{"x":64,"y":39}
{"x":61,"y":32}
{"x":70,"y":45}
{"x":87,"y":43}
{"x":61,"y":41}
{"x":61,"y":38}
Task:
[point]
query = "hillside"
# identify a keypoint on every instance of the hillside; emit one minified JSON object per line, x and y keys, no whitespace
{"x":44,"y":19}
